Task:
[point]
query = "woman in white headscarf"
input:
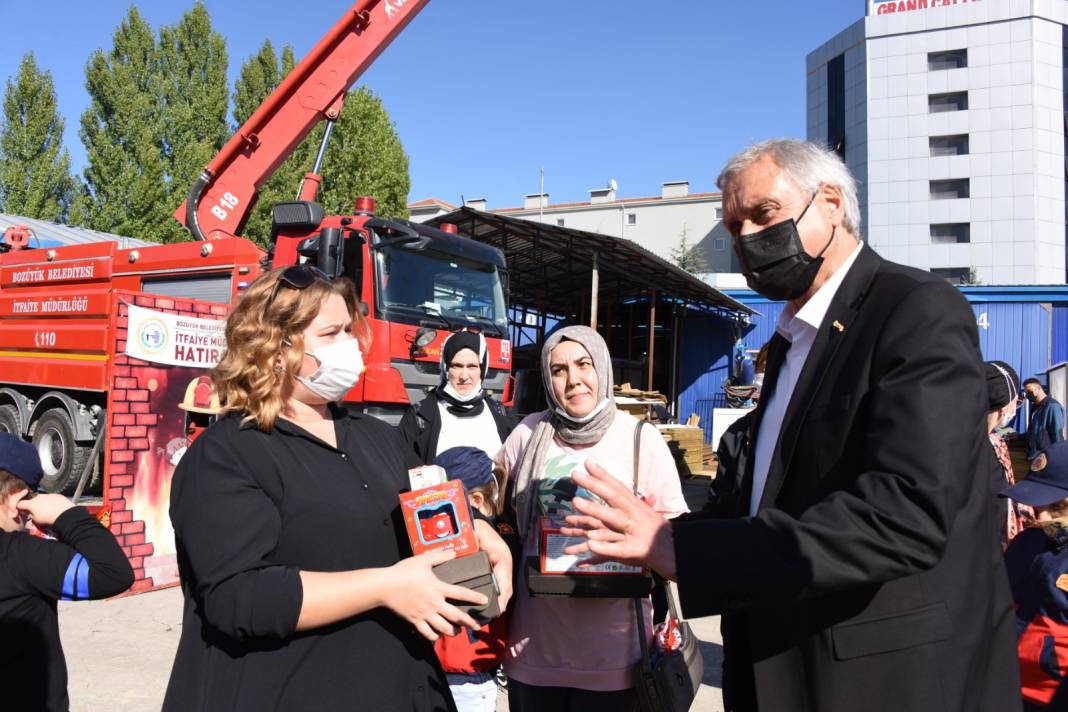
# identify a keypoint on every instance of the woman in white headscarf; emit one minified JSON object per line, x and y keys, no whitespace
{"x":572,"y":653}
{"x":458,"y":413}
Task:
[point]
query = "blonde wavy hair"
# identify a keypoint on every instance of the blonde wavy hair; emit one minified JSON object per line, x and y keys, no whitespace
{"x":260,"y":329}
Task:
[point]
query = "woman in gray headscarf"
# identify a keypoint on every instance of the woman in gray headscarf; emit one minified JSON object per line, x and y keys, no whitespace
{"x":564,"y":653}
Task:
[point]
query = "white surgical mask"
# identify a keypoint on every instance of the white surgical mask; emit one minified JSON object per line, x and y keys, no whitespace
{"x":340,"y":366}
{"x":582,"y":419}
{"x":474,"y":395}
{"x":1007,"y":418}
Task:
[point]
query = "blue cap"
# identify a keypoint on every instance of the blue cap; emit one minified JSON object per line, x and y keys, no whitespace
{"x":20,"y":459}
{"x":470,"y":465}
{"x":1047,"y":481}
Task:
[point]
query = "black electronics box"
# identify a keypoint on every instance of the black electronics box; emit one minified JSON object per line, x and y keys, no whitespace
{"x":474,"y":572}
{"x":585,"y":585}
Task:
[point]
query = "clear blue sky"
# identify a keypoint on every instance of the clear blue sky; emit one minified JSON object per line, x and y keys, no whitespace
{"x":486,"y":92}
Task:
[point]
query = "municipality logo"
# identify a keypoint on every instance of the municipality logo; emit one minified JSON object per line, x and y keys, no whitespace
{"x":152,"y":335}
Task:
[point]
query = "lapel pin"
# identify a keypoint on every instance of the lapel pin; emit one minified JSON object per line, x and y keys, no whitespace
{"x":838,"y":325}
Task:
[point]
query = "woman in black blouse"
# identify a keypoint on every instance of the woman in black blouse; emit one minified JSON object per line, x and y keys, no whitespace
{"x":298,"y":595}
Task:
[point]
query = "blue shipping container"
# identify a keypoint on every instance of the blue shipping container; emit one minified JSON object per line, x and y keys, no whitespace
{"x":1030,"y":335}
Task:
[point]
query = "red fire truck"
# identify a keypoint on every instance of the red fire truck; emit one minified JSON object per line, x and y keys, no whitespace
{"x":70,"y":316}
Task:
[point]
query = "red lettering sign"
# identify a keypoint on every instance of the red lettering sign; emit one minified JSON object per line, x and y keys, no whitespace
{"x":888,"y":7}
{"x":54,"y":336}
{"x":56,"y":273}
{"x":36,"y":306}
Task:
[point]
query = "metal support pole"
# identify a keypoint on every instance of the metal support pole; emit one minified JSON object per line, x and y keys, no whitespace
{"x":630,"y":332}
{"x":674,"y":397}
{"x":652,"y":330}
{"x":595,"y":284}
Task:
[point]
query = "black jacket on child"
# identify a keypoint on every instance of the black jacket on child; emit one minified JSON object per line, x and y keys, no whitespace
{"x":85,"y":564}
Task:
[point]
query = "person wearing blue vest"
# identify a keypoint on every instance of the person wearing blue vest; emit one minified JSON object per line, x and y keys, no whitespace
{"x":85,"y":563}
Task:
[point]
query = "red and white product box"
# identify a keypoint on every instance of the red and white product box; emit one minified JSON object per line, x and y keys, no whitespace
{"x":438,"y":518}
{"x":555,"y":561}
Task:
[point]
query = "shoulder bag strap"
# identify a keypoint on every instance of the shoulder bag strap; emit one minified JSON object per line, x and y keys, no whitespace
{"x":639,"y":615}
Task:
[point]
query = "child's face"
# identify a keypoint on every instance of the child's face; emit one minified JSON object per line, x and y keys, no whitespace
{"x":1052,"y":511}
{"x":11,"y":518}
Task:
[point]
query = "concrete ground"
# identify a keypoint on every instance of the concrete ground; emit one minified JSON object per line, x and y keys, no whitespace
{"x":119,"y":652}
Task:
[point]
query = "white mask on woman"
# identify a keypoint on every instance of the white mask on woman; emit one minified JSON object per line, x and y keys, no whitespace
{"x":340,"y":366}
{"x":1008,"y":413}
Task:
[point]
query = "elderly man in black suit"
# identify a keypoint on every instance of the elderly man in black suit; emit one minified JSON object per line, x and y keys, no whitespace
{"x":860,"y":569}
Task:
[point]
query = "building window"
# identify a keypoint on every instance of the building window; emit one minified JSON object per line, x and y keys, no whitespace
{"x":950,"y":59}
{"x":953,"y":101}
{"x":956,"y":145}
{"x":632,"y":218}
{"x":951,"y":233}
{"x":717,"y":213}
{"x":720,"y":243}
{"x":559,"y":222}
{"x":953,"y":275}
{"x":950,"y":189}
{"x":836,"y":107}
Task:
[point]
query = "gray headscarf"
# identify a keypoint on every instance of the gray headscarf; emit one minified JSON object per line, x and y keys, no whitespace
{"x":555,"y":422}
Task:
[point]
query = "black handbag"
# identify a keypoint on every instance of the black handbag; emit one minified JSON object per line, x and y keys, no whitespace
{"x":670,"y":684}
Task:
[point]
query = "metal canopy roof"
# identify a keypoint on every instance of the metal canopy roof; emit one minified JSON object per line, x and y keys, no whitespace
{"x":50,"y":234}
{"x":549,"y":266}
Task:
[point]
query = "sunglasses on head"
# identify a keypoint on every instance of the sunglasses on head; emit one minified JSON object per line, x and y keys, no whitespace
{"x":298,"y":277}
{"x":457,"y":328}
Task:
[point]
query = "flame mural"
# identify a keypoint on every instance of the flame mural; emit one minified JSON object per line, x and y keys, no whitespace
{"x":167,"y":441}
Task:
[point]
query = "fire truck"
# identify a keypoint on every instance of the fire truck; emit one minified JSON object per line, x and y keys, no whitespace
{"x":70,"y":315}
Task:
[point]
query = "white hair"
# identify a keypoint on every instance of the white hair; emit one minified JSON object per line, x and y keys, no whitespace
{"x":808,"y":165}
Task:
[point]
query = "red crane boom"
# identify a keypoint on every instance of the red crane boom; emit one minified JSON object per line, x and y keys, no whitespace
{"x":224,"y":193}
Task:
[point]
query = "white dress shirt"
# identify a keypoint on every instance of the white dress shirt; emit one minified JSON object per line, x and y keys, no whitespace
{"x":799,"y":327}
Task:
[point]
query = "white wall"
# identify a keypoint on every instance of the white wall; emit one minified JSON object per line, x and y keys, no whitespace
{"x":1014,"y":122}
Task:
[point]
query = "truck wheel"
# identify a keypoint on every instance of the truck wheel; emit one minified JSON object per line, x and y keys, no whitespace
{"x":9,"y":420}
{"x":61,"y":458}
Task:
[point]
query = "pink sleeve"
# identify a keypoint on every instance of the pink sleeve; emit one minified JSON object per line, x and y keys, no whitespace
{"x":658,"y":478}
{"x":512,"y":449}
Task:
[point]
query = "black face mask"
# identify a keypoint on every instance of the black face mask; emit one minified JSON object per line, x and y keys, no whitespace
{"x":775,"y":263}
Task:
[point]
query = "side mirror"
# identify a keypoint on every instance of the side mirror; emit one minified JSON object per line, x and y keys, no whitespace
{"x":325,"y":250}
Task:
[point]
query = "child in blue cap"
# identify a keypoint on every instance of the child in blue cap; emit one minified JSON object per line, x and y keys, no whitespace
{"x":86,"y":563}
{"x":471,"y":658}
{"x":1037,"y":563}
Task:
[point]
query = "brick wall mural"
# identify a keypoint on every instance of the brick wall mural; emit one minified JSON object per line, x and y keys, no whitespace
{"x":146,"y":438}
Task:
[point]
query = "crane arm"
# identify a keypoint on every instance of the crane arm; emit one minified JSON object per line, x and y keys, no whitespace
{"x":224,"y":193}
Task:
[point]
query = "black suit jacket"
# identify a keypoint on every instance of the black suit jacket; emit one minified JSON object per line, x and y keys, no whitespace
{"x":871,"y":577}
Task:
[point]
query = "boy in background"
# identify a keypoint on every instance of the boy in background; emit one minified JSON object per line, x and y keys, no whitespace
{"x":471,"y":658}
{"x":86,"y":563}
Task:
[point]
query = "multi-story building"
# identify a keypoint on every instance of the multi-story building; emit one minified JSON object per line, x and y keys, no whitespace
{"x":952,"y":116}
{"x":658,"y":223}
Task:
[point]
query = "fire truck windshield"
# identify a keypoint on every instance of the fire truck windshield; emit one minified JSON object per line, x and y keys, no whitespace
{"x":414,"y":285}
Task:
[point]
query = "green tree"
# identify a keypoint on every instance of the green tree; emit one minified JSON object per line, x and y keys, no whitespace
{"x":35,"y":177}
{"x":122,"y":130}
{"x":365,"y":157}
{"x":194,"y":97}
{"x":157,"y":116}
{"x":688,"y":257}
